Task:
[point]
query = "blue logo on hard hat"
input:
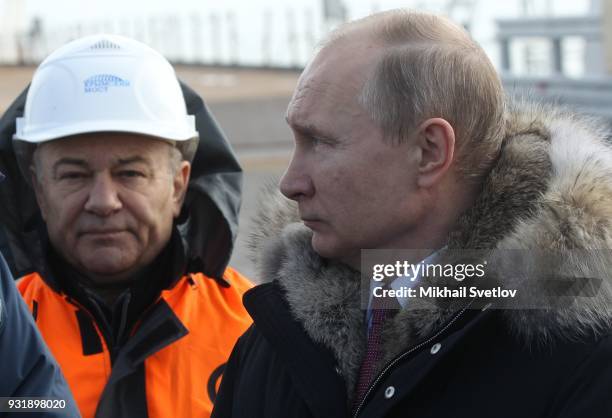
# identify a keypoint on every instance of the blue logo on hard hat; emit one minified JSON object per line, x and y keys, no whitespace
{"x":100,"y":83}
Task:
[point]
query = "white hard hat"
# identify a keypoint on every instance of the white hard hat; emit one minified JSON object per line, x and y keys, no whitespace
{"x":105,"y":83}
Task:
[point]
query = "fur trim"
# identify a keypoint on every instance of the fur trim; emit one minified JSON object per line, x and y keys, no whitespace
{"x":323,"y":295}
{"x":573,"y":214}
{"x":550,"y":189}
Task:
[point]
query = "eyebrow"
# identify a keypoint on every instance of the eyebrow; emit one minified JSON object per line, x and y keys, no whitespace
{"x":134,"y":159}
{"x":83,"y":164}
{"x":307,"y":130}
{"x":69,"y":161}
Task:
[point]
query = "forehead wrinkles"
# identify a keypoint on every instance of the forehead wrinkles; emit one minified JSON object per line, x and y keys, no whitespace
{"x":320,"y":102}
{"x":308,"y":93}
{"x":98,"y":152}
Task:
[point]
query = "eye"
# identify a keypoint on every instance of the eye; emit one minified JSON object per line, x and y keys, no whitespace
{"x":312,"y":140}
{"x":316,"y":141}
{"x":72,"y":175}
{"x":131,"y":173}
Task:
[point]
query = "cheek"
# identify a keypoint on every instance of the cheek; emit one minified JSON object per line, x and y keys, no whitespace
{"x":367,"y":197}
{"x":62,"y":215}
{"x":153,"y":213}
{"x":352,"y":188}
{"x":342,"y":191}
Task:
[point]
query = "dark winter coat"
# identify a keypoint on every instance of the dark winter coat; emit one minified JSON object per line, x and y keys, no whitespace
{"x":27,"y":367}
{"x":550,"y":188}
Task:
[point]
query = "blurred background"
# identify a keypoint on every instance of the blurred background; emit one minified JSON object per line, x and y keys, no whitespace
{"x":244,"y":56}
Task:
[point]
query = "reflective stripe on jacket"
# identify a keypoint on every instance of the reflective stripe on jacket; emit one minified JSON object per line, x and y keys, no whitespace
{"x":172,"y":363}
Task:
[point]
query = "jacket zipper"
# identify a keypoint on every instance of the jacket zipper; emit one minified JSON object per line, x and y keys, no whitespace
{"x":399,"y":358}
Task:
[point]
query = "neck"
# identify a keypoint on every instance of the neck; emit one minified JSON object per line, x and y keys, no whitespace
{"x":110,"y":289}
{"x":105,"y":288}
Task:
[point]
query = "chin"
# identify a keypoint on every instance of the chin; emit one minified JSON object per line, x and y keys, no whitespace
{"x":333,"y":250}
{"x":106,"y":265}
{"x":326,"y":248}
{"x":106,"y":272}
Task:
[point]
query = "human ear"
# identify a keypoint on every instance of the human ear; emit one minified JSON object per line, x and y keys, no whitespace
{"x":180,"y":183}
{"x":436,"y":140}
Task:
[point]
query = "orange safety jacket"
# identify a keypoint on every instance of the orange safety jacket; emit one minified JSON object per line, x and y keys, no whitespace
{"x":172,"y":363}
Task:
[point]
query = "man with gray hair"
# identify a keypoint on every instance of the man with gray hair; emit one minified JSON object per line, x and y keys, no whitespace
{"x":403,"y":142}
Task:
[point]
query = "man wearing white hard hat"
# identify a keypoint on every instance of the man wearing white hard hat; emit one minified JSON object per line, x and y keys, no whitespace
{"x":121,"y":225}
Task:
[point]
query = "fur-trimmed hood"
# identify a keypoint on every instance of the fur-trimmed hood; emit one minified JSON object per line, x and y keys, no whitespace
{"x":550,"y":189}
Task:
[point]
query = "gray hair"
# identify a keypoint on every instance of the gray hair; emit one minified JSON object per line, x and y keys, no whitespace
{"x":430,"y":67}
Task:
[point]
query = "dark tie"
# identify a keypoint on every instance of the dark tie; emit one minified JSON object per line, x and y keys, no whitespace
{"x":386,"y":309}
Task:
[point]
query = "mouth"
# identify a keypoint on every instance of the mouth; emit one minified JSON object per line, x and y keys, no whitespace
{"x":103,"y":233}
{"x":311,"y":223}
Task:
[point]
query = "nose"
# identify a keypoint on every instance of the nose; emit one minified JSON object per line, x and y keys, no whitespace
{"x":296,"y":184}
{"x":103,"y":198}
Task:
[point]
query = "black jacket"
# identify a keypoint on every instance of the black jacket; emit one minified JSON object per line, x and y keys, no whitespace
{"x":28,"y":369}
{"x":551,"y":187}
{"x":276,"y":370}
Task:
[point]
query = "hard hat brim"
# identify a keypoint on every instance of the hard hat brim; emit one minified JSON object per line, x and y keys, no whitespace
{"x":157,"y":130}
